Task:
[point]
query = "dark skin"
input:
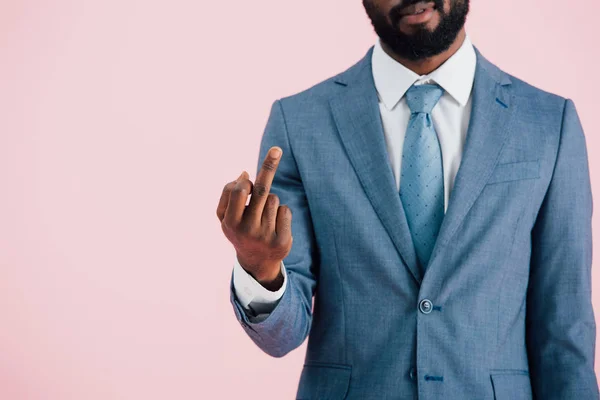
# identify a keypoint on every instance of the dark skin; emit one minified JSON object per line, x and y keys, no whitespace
{"x":427,"y":65}
{"x":261,"y":231}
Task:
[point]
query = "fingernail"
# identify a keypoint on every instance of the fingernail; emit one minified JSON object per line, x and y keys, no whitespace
{"x":242,"y":175}
{"x":276,"y":152}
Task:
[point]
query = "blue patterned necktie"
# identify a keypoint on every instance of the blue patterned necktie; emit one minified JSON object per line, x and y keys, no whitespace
{"x":422,"y":180}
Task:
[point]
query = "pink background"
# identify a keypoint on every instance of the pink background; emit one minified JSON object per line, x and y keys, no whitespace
{"x":121,"y":121}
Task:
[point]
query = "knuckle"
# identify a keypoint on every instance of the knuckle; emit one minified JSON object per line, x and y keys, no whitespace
{"x":260,"y":189}
{"x":280,"y":242}
{"x":239,"y":190}
{"x":286,"y":212}
{"x":225,"y":228}
{"x":248,"y":185}
{"x":270,"y":165}
{"x":272,"y":201}
{"x":228,"y":187}
{"x":244,"y":229}
{"x":231,"y":221}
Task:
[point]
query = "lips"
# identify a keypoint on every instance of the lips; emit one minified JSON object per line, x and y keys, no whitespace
{"x":416,"y":9}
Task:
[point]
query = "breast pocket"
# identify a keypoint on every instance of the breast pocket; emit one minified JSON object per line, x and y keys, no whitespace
{"x":514,"y":171}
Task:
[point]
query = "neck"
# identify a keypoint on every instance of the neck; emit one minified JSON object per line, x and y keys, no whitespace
{"x":427,"y":65}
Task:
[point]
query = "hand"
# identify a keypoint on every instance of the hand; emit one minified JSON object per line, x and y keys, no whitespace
{"x":261,"y":231}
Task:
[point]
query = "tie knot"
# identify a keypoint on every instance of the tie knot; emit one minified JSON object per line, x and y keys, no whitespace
{"x":422,"y":98}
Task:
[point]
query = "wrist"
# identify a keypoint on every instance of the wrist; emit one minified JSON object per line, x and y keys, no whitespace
{"x":272,"y":284}
{"x":268,"y":274}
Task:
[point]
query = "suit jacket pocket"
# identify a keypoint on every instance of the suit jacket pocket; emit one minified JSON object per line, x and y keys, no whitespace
{"x":324,"y":381}
{"x":511,"y":384}
{"x":513,"y":171}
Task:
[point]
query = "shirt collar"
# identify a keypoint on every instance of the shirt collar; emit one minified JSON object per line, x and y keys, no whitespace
{"x":455,"y":75}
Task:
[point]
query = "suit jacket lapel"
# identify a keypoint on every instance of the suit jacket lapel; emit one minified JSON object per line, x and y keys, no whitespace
{"x":355,"y":110}
{"x":490,"y":124}
{"x":356,"y":113}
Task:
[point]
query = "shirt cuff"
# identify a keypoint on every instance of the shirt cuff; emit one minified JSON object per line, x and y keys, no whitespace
{"x":253,"y":296}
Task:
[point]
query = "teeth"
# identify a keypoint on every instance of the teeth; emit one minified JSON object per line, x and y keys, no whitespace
{"x":419,"y":11}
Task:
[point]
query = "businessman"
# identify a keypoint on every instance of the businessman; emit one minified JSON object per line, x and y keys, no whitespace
{"x":439,"y":211}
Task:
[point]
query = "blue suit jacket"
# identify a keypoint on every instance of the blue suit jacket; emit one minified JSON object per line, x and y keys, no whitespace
{"x":509,"y":279}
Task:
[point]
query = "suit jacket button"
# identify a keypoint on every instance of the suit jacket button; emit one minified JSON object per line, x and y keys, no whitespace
{"x":413,"y":374}
{"x":425,"y":306}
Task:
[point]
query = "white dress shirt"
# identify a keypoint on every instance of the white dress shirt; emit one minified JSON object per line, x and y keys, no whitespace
{"x":450,"y":119}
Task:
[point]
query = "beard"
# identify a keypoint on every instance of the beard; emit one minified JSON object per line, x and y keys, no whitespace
{"x":422,"y":43}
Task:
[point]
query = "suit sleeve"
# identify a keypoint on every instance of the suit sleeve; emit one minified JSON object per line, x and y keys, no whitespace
{"x":288,"y":324}
{"x":560,"y":323}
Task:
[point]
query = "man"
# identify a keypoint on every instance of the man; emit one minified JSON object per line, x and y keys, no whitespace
{"x":441,"y":219}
